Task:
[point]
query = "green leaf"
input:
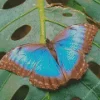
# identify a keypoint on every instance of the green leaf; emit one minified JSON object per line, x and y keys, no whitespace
{"x":97,"y":1}
{"x":91,"y":7}
{"x":75,"y":5}
{"x":94,"y":54}
{"x":86,"y":89}
{"x":44,"y":22}
{"x":79,"y":4}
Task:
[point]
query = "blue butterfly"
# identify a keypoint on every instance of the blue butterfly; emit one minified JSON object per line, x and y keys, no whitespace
{"x":53,"y":64}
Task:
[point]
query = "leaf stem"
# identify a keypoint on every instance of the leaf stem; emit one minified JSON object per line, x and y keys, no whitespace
{"x":96,"y":44}
{"x":5,"y":81}
{"x":42,"y":21}
{"x":55,"y":22}
{"x":47,"y":96}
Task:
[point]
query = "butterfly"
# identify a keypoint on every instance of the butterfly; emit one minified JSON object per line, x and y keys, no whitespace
{"x":54,"y":63}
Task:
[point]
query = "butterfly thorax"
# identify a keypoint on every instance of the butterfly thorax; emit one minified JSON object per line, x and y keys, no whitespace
{"x":50,"y":46}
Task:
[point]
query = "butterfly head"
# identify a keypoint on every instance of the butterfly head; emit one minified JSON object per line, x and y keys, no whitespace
{"x":49,"y":44}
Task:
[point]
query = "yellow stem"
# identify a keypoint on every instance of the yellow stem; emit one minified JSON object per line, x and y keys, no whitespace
{"x":42,"y":21}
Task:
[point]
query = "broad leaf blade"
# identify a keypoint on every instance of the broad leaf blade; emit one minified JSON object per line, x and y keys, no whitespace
{"x":92,"y":8}
{"x":28,"y":14}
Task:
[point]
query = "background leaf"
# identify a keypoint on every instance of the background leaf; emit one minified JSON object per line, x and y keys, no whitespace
{"x":91,"y":7}
{"x":26,"y":17}
{"x":97,"y":1}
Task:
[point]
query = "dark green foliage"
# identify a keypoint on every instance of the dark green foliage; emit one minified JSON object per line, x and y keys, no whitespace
{"x":12,"y":19}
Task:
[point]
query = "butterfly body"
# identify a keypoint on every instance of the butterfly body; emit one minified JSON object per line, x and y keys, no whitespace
{"x":53,"y":64}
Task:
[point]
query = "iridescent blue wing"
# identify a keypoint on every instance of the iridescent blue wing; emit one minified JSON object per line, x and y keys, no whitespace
{"x":71,"y":45}
{"x":36,"y":62}
{"x":77,"y":37}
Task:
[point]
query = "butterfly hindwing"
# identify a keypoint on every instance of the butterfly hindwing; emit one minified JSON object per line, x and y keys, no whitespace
{"x":71,"y":62}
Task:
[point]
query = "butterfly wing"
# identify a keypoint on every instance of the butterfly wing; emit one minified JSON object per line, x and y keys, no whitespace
{"x":77,"y":37}
{"x":36,"y":62}
{"x":71,"y":46}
